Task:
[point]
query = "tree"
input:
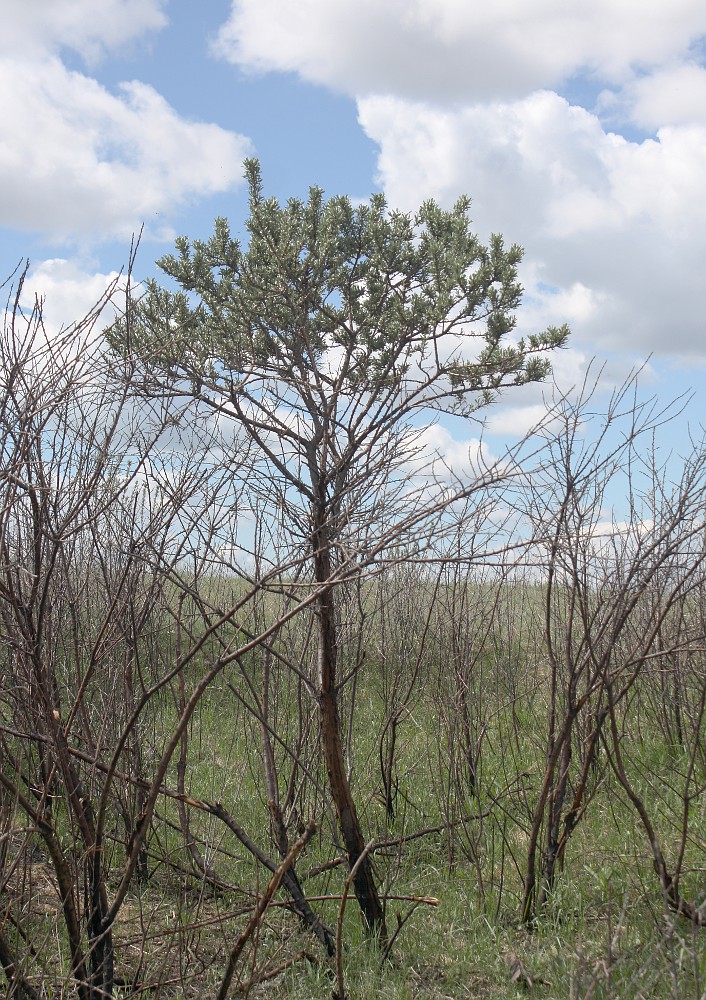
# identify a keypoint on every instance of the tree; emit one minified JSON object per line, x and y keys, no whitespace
{"x":323,"y":339}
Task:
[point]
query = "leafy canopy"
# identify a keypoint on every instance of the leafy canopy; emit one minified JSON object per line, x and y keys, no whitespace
{"x":330,"y":299}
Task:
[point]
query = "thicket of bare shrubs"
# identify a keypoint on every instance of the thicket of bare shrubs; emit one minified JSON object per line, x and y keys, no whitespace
{"x":509,"y":665}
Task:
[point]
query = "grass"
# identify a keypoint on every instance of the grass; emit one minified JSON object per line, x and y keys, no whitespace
{"x":604,"y":931}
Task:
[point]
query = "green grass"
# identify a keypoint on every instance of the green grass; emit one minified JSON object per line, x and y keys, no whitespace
{"x":602,"y":933}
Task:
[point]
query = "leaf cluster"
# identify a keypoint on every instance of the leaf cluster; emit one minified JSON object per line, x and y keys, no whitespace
{"x":331,"y":297}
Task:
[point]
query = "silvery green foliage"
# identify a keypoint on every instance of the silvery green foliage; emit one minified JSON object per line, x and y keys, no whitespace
{"x":328,"y":298}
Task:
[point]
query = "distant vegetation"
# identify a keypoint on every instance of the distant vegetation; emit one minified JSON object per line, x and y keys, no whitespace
{"x":290,"y":708}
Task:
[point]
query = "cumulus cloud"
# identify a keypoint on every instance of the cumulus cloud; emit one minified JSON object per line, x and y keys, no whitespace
{"x":63,"y":311}
{"x":67,"y":290}
{"x":106,"y":162}
{"x":441,"y":49}
{"x":541,"y":161}
{"x":68,"y":307}
{"x":675,"y":95}
{"x":86,"y":27}
{"x":466,"y":97}
{"x":79,"y":160}
{"x":441,"y":456}
{"x":516,"y":421}
{"x":615,"y":230}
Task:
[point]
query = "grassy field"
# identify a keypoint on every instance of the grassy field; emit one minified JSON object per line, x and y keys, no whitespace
{"x":447,"y":708}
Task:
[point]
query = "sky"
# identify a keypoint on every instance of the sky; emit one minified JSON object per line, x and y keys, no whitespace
{"x":578,"y":131}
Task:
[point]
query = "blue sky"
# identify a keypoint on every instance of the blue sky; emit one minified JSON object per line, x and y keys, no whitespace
{"x":577,"y":130}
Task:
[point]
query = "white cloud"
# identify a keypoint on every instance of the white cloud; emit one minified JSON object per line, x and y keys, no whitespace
{"x":457,"y":97}
{"x":615,"y":230}
{"x":575,"y":374}
{"x":441,"y":456}
{"x":452,"y":49}
{"x":68,"y":291}
{"x":541,"y":154}
{"x":88,"y":27}
{"x":58,"y":330}
{"x":67,"y":308}
{"x":78,"y":160}
{"x":675,"y":95}
{"x":550,"y":306}
{"x":105,"y":162}
{"x":516,"y":422}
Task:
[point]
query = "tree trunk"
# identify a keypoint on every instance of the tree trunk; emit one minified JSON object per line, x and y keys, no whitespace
{"x":349,"y":825}
{"x":279,"y":829}
{"x":555,"y":812}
